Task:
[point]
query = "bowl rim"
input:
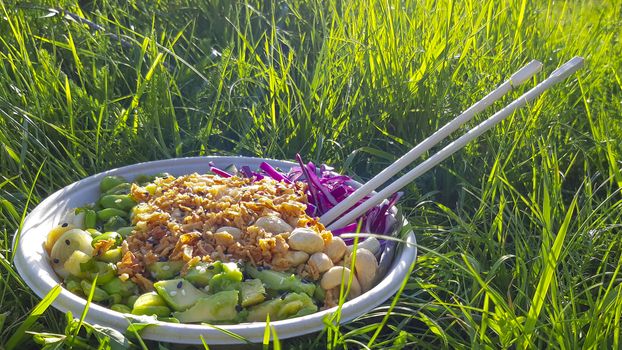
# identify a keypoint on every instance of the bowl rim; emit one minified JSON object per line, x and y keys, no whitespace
{"x":33,"y":266}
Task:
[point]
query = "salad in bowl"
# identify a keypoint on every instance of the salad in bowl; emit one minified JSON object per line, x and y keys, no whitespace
{"x":209,"y":247}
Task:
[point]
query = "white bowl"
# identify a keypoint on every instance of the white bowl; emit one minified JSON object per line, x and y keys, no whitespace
{"x":32,"y":263}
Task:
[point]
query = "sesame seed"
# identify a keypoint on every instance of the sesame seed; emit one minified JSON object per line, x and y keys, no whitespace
{"x":210,"y":267}
{"x":56,"y":261}
{"x":166,"y":267}
{"x":118,"y":201}
{"x":173,"y":293}
{"x":67,"y":242}
{"x":180,"y":284}
{"x":183,"y":292}
{"x":65,"y":224}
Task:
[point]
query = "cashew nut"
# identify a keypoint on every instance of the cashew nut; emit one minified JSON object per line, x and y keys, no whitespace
{"x":320,"y":262}
{"x":371,"y":243}
{"x":235,"y":232}
{"x":366,"y":268}
{"x":273,"y":224}
{"x":335,"y":275}
{"x":306,"y":239}
{"x":335,"y":249}
{"x":296,"y":258}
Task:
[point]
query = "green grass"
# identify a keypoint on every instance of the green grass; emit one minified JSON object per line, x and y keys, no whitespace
{"x":519,"y":233}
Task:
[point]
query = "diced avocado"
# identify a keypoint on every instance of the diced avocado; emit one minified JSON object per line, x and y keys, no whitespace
{"x":228,"y":279}
{"x":292,"y":305}
{"x":201,"y":273}
{"x":213,"y":308}
{"x":179,"y":294}
{"x":259,"y":312}
{"x":296,"y":305}
{"x":164,"y":270}
{"x":98,"y":295}
{"x":252,"y":292}
{"x":281,"y":281}
{"x":160,"y":311}
{"x":319,"y":294}
{"x":151,"y":304}
{"x":123,"y":288}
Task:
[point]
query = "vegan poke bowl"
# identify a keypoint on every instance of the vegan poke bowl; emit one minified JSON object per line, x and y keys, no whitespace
{"x":228,"y":241}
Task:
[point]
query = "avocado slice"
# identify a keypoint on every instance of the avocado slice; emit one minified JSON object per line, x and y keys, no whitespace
{"x":151,"y":304}
{"x":179,"y":293}
{"x":228,"y":279}
{"x":164,"y":270}
{"x":252,"y":292}
{"x":213,"y":308}
{"x":281,"y":280}
{"x":201,"y":273}
{"x":259,"y":312}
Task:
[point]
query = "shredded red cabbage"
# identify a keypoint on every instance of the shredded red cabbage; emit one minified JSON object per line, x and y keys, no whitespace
{"x":325,"y":189}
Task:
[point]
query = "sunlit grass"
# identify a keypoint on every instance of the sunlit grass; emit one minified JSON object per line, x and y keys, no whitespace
{"x":519,"y":233}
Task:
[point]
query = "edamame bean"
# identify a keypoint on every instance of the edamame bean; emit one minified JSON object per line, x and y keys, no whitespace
{"x":118,"y":201}
{"x":106,"y":214}
{"x":110,"y":181}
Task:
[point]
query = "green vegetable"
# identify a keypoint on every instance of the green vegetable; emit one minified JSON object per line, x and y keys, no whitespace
{"x":258,"y":313}
{"x":109,"y":182}
{"x":105,"y":271}
{"x":143,"y":179}
{"x":115,"y":299}
{"x":90,"y":218}
{"x":228,"y":279}
{"x":121,"y":308}
{"x":131,"y":300}
{"x":117,"y":201}
{"x":122,"y":188}
{"x":98,"y":295}
{"x":179,"y":294}
{"x":123,"y":288}
{"x":202,"y":273}
{"x":293,"y":305}
{"x":252,"y":292}
{"x":281,"y":281}
{"x":168,"y":319}
{"x":125,"y":231}
{"x":74,"y":263}
{"x":163,"y":270}
{"x":108,"y":236}
{"x":108,"y":213}
{"x":73,"y":285}
{"x":114,"y":223}
{"x":213,"y":308}
{"x":93,"y":232}
{"x":150,"y":304}
{"x":112,"y":255}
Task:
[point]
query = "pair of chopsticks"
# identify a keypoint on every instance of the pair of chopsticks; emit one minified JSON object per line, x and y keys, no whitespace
{"x":518,"y":78}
